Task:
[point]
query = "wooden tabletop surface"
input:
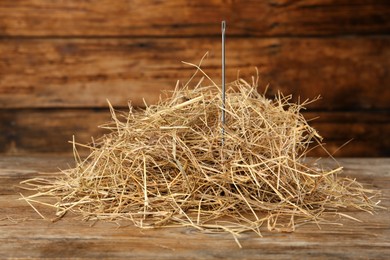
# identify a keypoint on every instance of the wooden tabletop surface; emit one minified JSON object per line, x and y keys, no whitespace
{"x":23,"y":234}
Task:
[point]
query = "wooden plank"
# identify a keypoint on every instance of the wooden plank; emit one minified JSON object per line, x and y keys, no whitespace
{"x":183,"y":18}
{"x":352,"y":147}
{"x":48,"y":131}
{"x":24,"y":235}
{"x":350,"y":73}
{"x":352,"y":134}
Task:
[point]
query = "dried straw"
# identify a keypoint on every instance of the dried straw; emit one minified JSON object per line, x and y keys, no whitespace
{"x":166,"y":166}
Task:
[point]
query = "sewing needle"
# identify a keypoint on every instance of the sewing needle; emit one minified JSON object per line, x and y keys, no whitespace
{"x":223,"y":81}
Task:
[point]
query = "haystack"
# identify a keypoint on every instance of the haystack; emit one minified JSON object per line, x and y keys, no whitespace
{"x":170,"y":165}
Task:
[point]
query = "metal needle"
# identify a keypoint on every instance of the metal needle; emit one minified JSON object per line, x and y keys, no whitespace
{"x":223,"y":81}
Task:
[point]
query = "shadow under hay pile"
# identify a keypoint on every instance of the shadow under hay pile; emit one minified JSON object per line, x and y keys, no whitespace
{"x":166,"y":166}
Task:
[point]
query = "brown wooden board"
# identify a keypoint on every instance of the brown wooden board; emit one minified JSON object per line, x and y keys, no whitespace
{"x":350,"y":73}
{"x":48,"y":131}
{"x":24,"y":235}
{"x":48,"y":18}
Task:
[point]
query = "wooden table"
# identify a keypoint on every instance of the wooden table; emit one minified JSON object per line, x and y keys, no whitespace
{"x":23,"y":234}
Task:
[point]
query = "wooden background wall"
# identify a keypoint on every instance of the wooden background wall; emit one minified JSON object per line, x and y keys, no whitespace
{"x":60,"y":60}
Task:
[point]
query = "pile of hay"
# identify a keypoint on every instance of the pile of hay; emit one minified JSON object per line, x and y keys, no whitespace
{"x":167,"y":166}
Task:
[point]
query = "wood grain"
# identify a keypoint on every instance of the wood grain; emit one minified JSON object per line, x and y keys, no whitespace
{"x":350,"y":73}
{"x":45,"y":18}
{"x":24,"y":235}
{"x":48,"y":131}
